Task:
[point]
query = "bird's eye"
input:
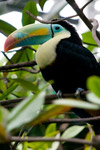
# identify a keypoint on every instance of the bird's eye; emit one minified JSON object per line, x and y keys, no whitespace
{"x":57,"y":27}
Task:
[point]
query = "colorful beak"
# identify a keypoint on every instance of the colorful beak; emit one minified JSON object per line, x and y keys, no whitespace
{"x":33,"y":34}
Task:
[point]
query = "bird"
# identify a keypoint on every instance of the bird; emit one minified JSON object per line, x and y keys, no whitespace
{"x":61,"y":55}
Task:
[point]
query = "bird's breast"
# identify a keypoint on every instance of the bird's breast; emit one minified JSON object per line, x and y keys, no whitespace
{"x":46,"y":53}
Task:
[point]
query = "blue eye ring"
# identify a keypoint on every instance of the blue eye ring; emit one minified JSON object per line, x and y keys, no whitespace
{"x":57,"y":27}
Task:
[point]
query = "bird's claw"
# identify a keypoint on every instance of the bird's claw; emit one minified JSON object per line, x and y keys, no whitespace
{"x":78,"y":92}
{"x":59,"y":94}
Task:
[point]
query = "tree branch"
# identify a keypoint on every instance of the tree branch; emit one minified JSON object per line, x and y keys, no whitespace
{"x":18,"y":65}
{"x":74,"y":121}
{"x":53,"y":139}
{"x":48,"y":98}
{"x":80,"y":13}
{"x":95,"y":142}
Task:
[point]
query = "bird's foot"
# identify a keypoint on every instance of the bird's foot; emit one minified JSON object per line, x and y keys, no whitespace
{"x":79,"y":92}
{"x":59,"y":94}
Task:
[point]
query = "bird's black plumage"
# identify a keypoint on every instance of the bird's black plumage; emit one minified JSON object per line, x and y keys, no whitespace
{"x":73,"y":65}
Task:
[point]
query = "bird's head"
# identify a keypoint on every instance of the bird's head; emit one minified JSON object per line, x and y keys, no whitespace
{"x":35,"y":34}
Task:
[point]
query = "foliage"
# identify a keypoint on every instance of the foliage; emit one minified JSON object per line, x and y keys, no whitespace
{"x":72,"y":131}
{"x":32,"y":110}
{"x":4,"y":26}
{"x":31,"y":6}
{"x":88,"y":137}
{"x":93,"y":84}
{"x":87,"y":38}
{"x":41,"y":3}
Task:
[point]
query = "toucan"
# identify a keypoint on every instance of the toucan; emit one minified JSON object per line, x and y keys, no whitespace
{"x":61,"y":55}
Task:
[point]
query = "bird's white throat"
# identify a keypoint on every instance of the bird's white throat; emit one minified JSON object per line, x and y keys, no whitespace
{"x":46,"y":53}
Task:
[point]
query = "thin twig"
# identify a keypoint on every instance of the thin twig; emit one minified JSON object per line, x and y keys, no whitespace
{"x":48,"y":22}
{"x":91,"y":132}
{"x":7,"y":102}
{"x":22,"y":68}
{"x":90,"y":44}
{"x":86,"y":4}
{"x":7,"y":57}
{"x":30,"y":70}
{"x":94,"y":31}
{"x":29,"y":48}
{"x":58,"y":19}
{"x":14,"y":146}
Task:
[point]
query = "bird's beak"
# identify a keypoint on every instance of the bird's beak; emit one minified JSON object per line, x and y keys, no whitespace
{"x":33,"y":34}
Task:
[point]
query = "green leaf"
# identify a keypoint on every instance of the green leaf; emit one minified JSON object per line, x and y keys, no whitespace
{"x":51,"y":111}
{"x":26,"y":111}
{"x":41,"y":3}
{"x":51,"y":132}
{"x":76,"y":103}
{"x":3,"y":135}
{"x":3,"y":115}
{"x":38,"y":145}
{"x":91,"y":97}
{"x":0,"y":115}
{"x":16,"y":57}
{"x":6,"y":28}
{"x":51,"y":128}
{"x":93,"y":84}
{"x":25,"y":146}
{"x":87,"y":38}
{"x":8,"y":91}
{"x":89,"y":138}
{"x":72,"y":131}
{"x":21,"y":56}
{"x":2,"y":83}
{"x":90,"y":48}
{"x":55,"y":145}
{"x":31,"y":7}
{"x":26,"y":84}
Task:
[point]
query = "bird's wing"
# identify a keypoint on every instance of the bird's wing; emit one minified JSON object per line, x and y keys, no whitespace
{"x":77,"y":56}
